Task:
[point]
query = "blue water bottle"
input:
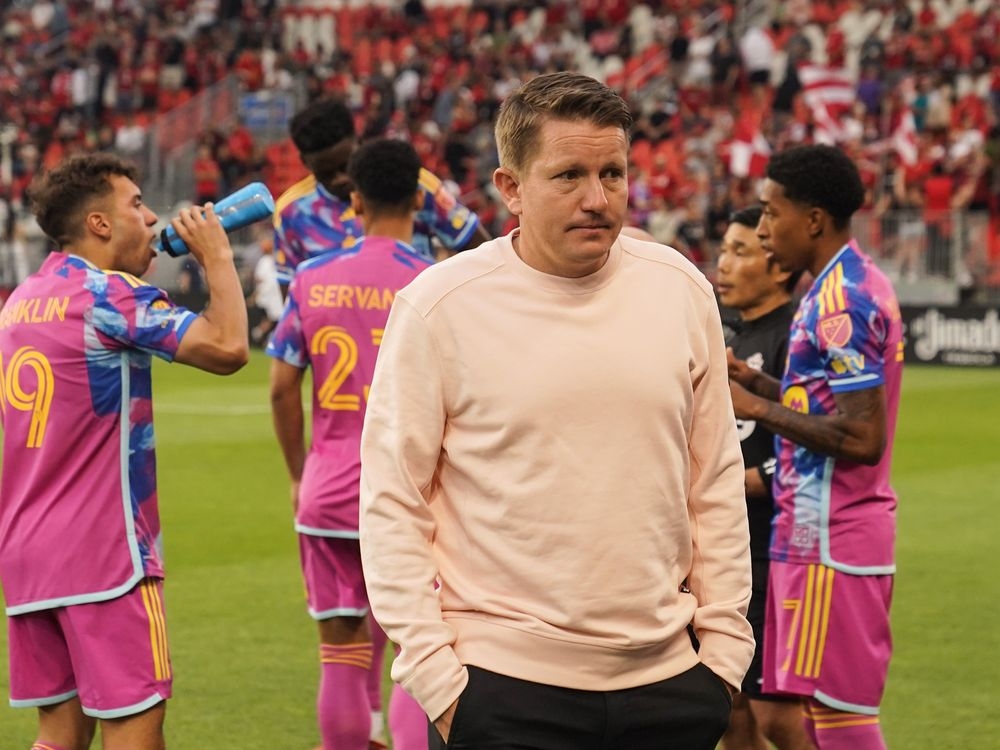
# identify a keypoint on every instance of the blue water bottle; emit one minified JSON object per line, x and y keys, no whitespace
{"x":250,"y":203}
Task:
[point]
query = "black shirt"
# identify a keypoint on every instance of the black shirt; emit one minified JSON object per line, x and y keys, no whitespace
{"x":763,"y":343}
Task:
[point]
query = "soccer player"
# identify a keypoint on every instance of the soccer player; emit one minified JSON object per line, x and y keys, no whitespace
{"x":832,"y":551}
{"x":549,"y":439}
{"x":333,"y":320}
{"x":315,"y":216}
{"x":754,"y":285}
{"x":80,"y":546}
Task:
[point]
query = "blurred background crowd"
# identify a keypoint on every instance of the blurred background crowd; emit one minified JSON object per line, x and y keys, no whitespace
{"x":199,"y":93}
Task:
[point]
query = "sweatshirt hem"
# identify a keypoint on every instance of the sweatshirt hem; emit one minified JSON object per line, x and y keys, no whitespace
{"x":571,"y":664}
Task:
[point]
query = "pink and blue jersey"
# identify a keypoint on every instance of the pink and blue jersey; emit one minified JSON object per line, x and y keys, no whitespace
{"x":847,"y":335}
{"x":336,"y":310}
{"x":78,"y":510}
{"x":310,"y":221}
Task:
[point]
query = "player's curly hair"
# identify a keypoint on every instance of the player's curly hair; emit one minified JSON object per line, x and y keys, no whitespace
{"x":61,"y":197}
{"x":385,"y":171}
{"x":821,"y":176}
{"x":324,"y":123}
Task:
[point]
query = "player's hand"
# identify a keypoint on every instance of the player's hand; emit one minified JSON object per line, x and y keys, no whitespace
{"x":739,"y":370}
{"x":745,"y":404}
{"x":294,"y":494}
{"x":202,"y":232}
{"x":443,"y":722}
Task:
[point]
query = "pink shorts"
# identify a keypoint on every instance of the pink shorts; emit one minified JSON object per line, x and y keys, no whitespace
{"x":335,"y":585}
{"x":112,"y":654}
{"x":827,"y":636}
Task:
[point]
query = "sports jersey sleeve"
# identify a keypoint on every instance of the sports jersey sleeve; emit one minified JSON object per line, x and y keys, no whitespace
{"x":138,"y":315}
{"x":288,"y":341}
{"x":850,"y":338}
{"x":443,"y":216}
{"x":288,"y":252}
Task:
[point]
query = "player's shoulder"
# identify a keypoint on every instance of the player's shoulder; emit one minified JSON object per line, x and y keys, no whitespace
{"x":855,"y":276}
{"x":290,"y":199}
{"x":398,"y":250}
{"x":316,"y":263}
{"x":428,"y":181}
{"x":133,"y":282}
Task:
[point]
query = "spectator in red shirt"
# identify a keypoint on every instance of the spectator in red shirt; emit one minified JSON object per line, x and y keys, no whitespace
{"x":207,"y":175}
{"x":938,"y":190}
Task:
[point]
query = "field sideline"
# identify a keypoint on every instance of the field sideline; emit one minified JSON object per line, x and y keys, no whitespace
{"x":245,"y":653}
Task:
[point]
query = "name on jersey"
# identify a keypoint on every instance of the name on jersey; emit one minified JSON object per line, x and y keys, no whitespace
{"x":34,"y":310}
{"x":345,"y":295}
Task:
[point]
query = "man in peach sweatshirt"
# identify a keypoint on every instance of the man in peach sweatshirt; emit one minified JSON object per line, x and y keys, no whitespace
{"x":552,"y":486}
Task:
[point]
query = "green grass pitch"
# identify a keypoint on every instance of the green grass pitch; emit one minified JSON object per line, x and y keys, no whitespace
{"x":245,"y":653}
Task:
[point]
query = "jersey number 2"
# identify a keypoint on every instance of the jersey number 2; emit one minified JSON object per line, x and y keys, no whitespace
{"x":347,"y":360}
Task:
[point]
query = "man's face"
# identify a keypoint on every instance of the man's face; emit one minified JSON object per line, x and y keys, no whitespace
{"x":330,"y":167}
{"x":571,"y":197}
{"x":784,"y":228}
{"x":746,"y":280}
{"x":131,"y":227}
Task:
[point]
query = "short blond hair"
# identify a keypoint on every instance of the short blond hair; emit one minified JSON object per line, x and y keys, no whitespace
{"x":558,"y":96}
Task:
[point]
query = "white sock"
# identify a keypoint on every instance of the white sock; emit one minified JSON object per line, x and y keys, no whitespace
{"x":378,"y":727}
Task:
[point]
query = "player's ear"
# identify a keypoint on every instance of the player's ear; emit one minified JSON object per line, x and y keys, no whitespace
{"x":418,"y":200}
{"x":97,"y":222}
{"x":357,"y":203}
{"x":818,"y":219}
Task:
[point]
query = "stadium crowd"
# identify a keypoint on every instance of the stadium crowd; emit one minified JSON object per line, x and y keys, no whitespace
{"x":911,"y":90}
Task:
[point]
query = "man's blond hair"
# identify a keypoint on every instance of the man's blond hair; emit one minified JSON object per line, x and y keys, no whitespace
{"x":558,"y":96}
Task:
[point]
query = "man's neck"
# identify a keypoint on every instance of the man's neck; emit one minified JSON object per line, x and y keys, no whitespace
{"x":397,"y":227}
{"x":826,"y":249}
{"x":89,"y":253}
{"x":767,"y":306}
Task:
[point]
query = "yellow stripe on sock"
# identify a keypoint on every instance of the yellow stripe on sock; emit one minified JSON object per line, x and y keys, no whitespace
{"x":850,"y":720}
{"x":354,"y":655}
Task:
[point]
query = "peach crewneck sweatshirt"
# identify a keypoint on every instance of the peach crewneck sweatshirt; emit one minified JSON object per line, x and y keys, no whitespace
{"x":561,"y":456}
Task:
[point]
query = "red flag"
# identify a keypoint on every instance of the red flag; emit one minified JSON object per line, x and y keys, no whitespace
{"x":749,"y":151}
{"x":829,"y":93}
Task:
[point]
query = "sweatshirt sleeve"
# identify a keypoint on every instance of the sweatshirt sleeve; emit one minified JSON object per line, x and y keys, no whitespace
{"x":400,"y":447}
{"x":720,"y":577}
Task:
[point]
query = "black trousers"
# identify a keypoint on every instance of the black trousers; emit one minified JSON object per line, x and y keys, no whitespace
{"x":495,"y":712}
